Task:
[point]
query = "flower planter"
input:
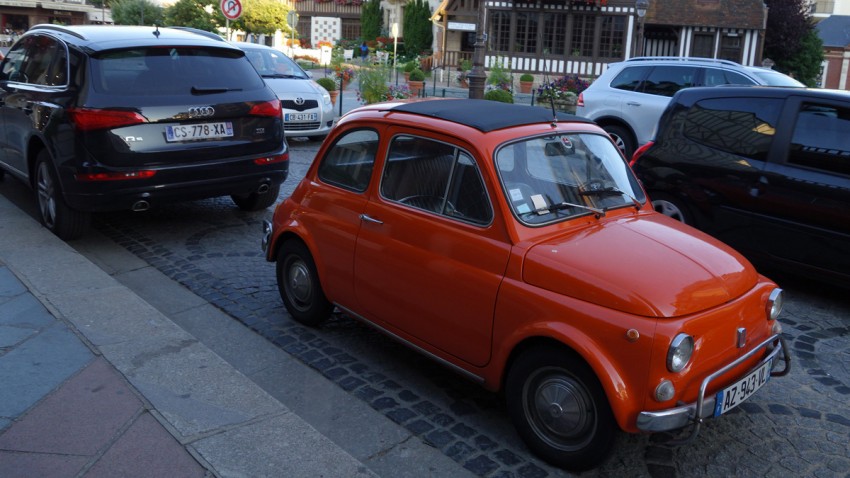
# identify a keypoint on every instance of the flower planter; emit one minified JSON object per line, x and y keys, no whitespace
{"x":525,"y":86}
{"x":415,"y":87}
{"x":333,"y":94}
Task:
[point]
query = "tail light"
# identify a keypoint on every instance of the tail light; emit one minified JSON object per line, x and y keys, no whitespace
{"x":267,"y":108}
{"x":115,"y":176}
{"x":580,"y":101}
{"x":272,"y":159}
{"x":639,"y":152}
{"x":89,"y":119}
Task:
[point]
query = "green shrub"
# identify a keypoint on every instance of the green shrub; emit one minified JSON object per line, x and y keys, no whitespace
{"x":465,"y":65}
{"x":417,"y":75}
{"x":526,"y":77}
{"x":499,"y":95}
{"x":327,"y":83}
{"x":373,"y":84}
{"x":409,"y":66}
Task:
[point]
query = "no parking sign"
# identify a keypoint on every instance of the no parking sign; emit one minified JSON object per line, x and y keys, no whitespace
{"x":232,"y":9}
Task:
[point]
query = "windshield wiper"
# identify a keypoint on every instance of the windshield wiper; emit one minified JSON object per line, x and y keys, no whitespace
{"x":212,"y":89}
{"x":611,"y":191}
{"x":282,"y":75}
{"x":565,"y":205}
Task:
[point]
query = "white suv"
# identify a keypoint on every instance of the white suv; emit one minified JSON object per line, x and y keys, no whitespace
{"x":628,"y":98}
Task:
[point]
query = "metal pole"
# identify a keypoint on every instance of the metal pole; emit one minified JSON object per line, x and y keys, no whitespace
{"x":477,"y":76}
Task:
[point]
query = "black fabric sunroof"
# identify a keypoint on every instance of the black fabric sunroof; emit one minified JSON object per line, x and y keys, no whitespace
{"x":484,"y":115}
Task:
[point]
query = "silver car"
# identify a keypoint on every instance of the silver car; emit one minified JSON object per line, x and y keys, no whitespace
{"x":628,"y":98}
{"x":307,"y":108}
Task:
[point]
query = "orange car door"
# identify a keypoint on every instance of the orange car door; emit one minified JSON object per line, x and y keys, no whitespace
{"x":428,"y":261}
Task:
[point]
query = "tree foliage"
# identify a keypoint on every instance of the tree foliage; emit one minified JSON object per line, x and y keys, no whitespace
{"x":791,"y":40}
{"x":416,"y":24}
{"x":805,"y":64}
{"x":200,"y":14}
{"x":262,"y":17}
{"x":371,"y":20}
{"x":136,"y":12}
{"x":787,"y":24}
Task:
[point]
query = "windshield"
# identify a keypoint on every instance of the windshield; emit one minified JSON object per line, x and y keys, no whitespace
{"x":553,"y":178}
{"x":274,"y":64}
{"x":775,"y":78}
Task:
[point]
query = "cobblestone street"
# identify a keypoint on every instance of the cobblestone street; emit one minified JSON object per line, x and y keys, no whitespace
{"x":798,"y":425}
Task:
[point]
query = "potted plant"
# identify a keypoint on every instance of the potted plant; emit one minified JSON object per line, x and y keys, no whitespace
{"x":526,"y":81}
{"x":415,"y":81}
{"x":463,"y":73}
{"x":330,"y":85}
{"x":409,"y":67}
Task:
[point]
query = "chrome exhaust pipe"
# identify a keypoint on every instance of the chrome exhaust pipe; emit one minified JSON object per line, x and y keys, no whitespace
{"x":264,"y":188}
{"x":140,"y":206}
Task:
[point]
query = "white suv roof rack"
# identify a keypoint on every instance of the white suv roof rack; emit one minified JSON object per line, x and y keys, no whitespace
{"x":684,"y":58}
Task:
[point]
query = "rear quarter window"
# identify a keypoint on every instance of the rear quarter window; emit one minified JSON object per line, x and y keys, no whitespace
{"x":741,"y":126}
{"x":173,"y":70}
{"x":821,"y":138}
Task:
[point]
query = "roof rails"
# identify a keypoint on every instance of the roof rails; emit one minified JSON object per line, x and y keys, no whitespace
{"x":716,"y":61}
{"x":59,"y":28}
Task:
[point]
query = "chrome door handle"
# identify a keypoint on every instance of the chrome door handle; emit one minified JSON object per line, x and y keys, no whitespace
{"x":368,"y":218}
{"x":632,"y":103}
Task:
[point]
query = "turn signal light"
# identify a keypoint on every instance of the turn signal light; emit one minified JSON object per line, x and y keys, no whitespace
{"x":89,"y":119}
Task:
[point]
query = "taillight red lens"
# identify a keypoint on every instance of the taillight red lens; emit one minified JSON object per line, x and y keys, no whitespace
{"x":580,"y":100}
{"x":639,"y":152}
{"x":115,"y":176}
{"x":266,"y":108}
{"x":272,"y":159}
{"x":88,"y":119}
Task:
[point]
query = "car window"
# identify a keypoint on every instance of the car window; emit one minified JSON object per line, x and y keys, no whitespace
{"x":742,"y":126}
{"x":271,"y":63}
{"x":775,"y":78}
{"x":435,"y":177}
{"x":553,"y":178}
{"x":667,"y":80}
{"x":38,"y":60}
{"x":629,"y":79}
{"x":349,"y":162}
{"x":716,"y":77}
{"x":820,"y":138}
{"x":173,"y":71}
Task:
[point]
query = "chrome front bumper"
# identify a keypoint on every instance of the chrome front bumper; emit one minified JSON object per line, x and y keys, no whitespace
{"x":695,"y":413}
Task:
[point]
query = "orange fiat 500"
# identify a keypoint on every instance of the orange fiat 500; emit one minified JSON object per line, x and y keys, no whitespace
{"x":515,"y":246}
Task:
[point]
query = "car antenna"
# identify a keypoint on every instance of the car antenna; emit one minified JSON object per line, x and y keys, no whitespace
{"x":156,"y":30}
{"x":551,"y":98}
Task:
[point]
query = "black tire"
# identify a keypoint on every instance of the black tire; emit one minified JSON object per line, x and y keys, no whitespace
{"x":54,"y":214}
{"x":559,"y":408}
{"x":299,"y":286}
{"x":672,"y":207}
{"x":622,"y":138}
{"x":256,"y":201}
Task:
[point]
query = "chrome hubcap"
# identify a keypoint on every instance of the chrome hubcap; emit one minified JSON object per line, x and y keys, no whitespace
{"x":560,"y":410}
{"x":299,"y":283}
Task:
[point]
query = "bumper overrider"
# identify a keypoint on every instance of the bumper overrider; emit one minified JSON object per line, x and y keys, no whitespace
{"x":706,"y":406}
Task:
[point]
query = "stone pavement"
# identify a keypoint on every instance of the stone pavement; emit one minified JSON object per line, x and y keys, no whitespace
{"x":97,"y":382}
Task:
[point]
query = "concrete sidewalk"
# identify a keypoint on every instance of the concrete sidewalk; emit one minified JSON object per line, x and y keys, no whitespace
{"x":97,"y":382}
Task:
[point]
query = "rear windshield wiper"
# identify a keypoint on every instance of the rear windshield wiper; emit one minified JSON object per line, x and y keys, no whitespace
{"x":206,"y":90}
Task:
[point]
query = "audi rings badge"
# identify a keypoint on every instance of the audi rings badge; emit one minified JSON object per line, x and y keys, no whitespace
{"x":201,"y":111}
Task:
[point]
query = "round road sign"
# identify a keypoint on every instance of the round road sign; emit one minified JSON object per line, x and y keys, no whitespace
{"x":232,"y":9}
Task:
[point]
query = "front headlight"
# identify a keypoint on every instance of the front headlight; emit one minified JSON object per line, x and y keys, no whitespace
{"x":680,"y":352}
{"x":773,"y":307}
{"x":326,"y":98}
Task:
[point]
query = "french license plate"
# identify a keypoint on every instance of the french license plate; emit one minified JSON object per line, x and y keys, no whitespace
{"x":740,"y":391}
{"x":192,"y":132}
{"x":298,"y":117}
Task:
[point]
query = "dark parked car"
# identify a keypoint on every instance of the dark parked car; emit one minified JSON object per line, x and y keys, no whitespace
{"x":105,"y":118}
{"x":766,"y":170}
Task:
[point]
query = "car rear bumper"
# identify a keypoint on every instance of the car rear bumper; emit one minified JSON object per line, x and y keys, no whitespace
{"x":704,"y":407}
{"x":126,"y":195}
